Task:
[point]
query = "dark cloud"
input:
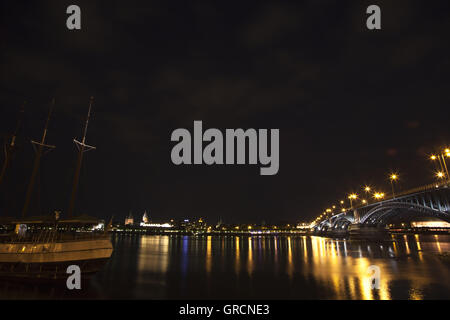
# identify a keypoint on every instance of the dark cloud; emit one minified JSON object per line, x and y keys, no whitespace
{"x":341,"y":95}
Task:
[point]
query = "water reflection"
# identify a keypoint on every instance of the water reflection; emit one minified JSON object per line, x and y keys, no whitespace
{"x":438,"y":245}
{"x":250,"y":257}
{"x":238,"y":257}
{"x":290,"y":264}
{"x":153,"y":258}
{"x":293,"y":267}
{"x":299,"y":267}
{"x":208,"y":255}
{"x":153,"y":254}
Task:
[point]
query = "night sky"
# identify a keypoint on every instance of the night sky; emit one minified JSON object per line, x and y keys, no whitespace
{"x":351,"y":104}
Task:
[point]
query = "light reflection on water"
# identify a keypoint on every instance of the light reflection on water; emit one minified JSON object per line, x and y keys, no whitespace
{"x":282,"y":267}
{"x":301,"y":267}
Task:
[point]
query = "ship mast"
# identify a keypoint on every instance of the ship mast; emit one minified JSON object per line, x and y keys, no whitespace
{"x":39,"y":147}
{"x":9,"y":146}
{"x":82,"y":148}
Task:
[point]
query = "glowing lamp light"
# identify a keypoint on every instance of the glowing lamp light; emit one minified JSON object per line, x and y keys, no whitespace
{"x":394,"y":177}
{"x":378,"y":195}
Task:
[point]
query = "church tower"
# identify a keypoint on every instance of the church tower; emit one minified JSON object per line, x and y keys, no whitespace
{"x":145,"y":217}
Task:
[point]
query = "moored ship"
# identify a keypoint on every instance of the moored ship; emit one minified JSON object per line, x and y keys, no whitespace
{"x":44,"y":247}
{"x":45,"y":251}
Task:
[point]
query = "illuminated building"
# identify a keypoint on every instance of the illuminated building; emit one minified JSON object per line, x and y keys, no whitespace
{"x":430,"y":224}
{"x":129,"y":219}
{"x":156,"y":225}
{"x":146,"y":223}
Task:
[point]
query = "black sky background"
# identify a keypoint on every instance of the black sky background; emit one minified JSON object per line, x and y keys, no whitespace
{"x":351,"y":104}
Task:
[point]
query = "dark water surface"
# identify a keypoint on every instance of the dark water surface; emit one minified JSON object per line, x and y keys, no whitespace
{"x":284,"y":267}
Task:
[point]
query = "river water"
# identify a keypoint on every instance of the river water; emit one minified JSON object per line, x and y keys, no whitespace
{"x":262,"y":267}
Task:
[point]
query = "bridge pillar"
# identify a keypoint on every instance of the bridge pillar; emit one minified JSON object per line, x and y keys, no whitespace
{"x":356,"y":216}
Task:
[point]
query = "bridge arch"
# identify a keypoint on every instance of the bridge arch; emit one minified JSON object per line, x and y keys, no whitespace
{"x":393,"y":210}
{"x":322,"y":226}
{"x":342,"y":222}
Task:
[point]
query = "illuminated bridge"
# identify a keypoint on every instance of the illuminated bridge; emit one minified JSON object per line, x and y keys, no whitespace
{"x":430,"y":201}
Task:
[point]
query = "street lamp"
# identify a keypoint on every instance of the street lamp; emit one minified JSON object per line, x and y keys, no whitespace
{"x":352,"y":196}
{"x":367,"y":189}
{"x":393,"y":177}
{"x":440,"y":174}
{"x":447,"y":154}
{"x":378,"y":195}
{"x":434,"y":158}
{"x":441,"y":158}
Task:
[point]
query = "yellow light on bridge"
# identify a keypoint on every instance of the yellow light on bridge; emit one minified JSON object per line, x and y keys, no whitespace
{"x":393,"y":176}
{"x":440,"y":174}
{"x":343,"y":210}
{"x":378,"y":195}
{"x":367,"y":189}
{"x":364,"y":201}
{"x":433,"y":157}
{"x":353,"y":196}
{"x":329,"y":210}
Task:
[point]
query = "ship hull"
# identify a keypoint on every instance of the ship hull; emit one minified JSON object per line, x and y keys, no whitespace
{"x":49,"y":261}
